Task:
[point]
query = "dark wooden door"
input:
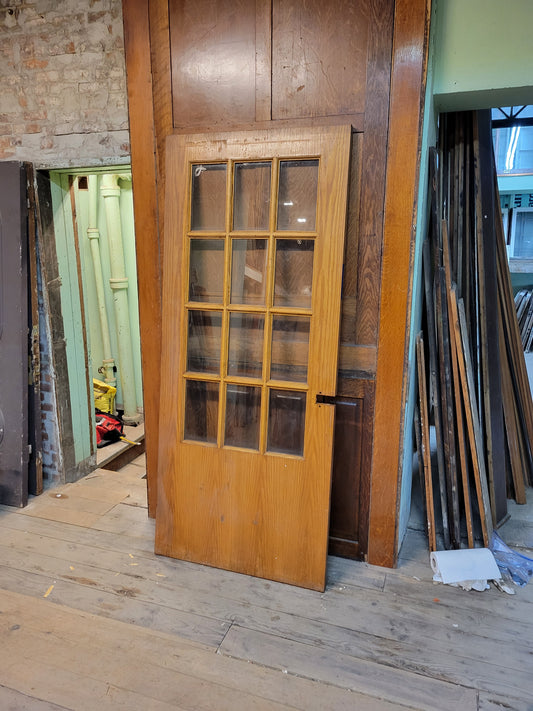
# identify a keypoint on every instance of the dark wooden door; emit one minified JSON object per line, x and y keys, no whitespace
{"x":13,"y":337}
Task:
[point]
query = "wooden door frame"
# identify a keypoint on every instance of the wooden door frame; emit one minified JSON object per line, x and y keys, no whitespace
{"x":147,"y":47}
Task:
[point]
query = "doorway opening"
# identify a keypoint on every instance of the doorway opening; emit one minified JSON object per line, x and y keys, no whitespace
{"x":88,"y":319}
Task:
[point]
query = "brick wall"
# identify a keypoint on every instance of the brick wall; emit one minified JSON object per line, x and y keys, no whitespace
{"x":62,"y":83}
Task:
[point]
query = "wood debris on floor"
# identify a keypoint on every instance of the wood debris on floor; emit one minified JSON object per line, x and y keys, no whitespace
{"x":472,"y":375}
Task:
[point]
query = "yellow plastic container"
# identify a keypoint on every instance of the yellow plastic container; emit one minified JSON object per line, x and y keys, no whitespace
{"x":104,"y":396}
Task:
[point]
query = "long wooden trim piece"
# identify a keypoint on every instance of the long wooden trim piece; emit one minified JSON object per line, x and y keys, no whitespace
{"x":472,"y":420}
{"x":461,"y":442}
{"x":144,"y":170}
{"x":411,"y":29}
{"x":425,"y":444}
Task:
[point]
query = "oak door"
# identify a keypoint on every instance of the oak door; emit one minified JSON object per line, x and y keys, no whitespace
{"x":252,"y":272}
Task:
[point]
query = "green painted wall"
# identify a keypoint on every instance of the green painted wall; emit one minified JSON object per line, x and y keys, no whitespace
{"x":128,"y":237}
{"x":71,"y":305}
{"x":74,"y":299}
{"x":483,"y":53}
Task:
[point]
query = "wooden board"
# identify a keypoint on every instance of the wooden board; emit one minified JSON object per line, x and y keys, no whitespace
{"x":474,"y":432}
{"x":488,"y":294}
{"x":434,"y":387}
{"x":426,"y":448}
{"x":461,"y":441}
{"x":411,"y":29}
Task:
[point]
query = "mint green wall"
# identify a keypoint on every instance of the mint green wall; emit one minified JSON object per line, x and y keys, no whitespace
{"x":71,"y":306}
{"x":483,"y":53}
{"x":73,"y":298}
{"x":92,"y":318}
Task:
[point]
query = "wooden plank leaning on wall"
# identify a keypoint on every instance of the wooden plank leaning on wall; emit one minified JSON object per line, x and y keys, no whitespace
{"x":149,"y":107}
{"x":411,"y":30}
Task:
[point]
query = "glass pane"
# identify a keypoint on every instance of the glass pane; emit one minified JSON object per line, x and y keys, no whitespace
{"x":201,"y":411}
{"x":523,"y":239}
{"x":203,"y":342}
{"x":290,"y":348}
{"x":243,"y":412}
{"x":251,"y":204}
{"x":206,"y":270}
{"x":298,"y":181}
{"x":294,"y":273}
{"x":513,"y":148}
{"x":286,"y":422}
{"x":208,"y":203}
{"x":246,"y":345}
{"x":248,"y":271}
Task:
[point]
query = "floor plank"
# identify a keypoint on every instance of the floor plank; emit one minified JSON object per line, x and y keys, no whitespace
{"x":80,"y":573}
{"x":313,"y":662}
{"x":12,"y":700}
{"x":115,"y":665}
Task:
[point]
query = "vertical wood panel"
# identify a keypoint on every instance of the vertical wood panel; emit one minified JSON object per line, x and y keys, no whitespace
{"x":374,"y":162}
{"x":319,"y":53}
{"x":411,"y":25}
{"x":345,"y":485}
{"x":263,"y":60}
{"x":162,"y":98}
{"x":143,"y":160}
{"x":213,"y":62}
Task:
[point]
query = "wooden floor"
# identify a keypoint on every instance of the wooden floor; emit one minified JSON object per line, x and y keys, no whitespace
{"x":91,"y":619}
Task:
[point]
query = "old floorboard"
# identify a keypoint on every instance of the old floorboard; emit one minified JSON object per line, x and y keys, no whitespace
{"x":104,"y":623}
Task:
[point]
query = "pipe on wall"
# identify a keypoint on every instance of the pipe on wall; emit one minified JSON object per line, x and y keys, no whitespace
{"x":93,"y":234}
{"x":118,"y":281}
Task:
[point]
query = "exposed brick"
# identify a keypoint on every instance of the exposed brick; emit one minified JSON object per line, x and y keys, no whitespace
{"x":27,"y":128}
{"x":6,"y":148}
{"x":34,"y":63}
{"x":63,"y":84}
{"x":35,"y":115}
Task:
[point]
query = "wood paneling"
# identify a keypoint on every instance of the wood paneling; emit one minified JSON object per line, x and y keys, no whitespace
{"x":374,"y":161}
{"x":213,"y":62}
{"x":249,"y":65}
{"x":346,"y":481}
{"x":319,"y":53}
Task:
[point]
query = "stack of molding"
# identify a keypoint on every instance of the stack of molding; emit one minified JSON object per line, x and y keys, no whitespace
{"x":472,"y":376}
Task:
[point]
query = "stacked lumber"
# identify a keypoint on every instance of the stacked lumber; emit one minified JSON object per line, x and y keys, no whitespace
{"x":472,"y":377}
{"x":524,"y":312}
